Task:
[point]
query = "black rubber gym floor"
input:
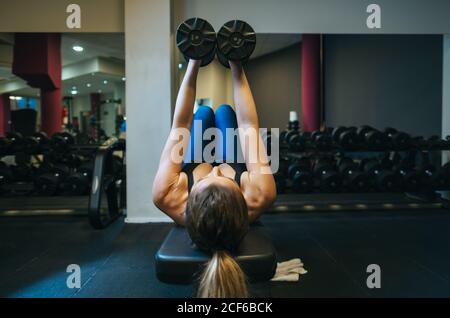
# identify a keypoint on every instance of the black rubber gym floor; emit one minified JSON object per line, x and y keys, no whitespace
{"x":412,"y":248}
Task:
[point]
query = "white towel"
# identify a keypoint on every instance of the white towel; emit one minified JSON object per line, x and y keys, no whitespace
{"x":289,"y":271}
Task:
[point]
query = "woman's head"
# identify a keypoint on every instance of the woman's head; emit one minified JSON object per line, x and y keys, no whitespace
{"x":216,"y":214}
{"x":217,"y":220}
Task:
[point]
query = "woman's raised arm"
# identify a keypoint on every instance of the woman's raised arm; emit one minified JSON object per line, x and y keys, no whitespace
{"x":262,"y":191}
{"x":166,"y":192}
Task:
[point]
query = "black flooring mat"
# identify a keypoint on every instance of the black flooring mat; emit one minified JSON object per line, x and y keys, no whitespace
{"x":411,"y":247}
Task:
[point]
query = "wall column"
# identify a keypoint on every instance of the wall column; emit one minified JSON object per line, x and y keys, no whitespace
{"x":148,"y":99}
{"x":310,"y":82}
{"x":37,"y":60}
{"x":5,"y":114}
{"x":95,"y":113}
{"x":51,"y":111}
{"x":445,"y":92}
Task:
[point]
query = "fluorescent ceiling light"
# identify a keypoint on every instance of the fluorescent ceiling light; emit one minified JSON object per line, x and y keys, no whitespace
{"x":78,"y":48}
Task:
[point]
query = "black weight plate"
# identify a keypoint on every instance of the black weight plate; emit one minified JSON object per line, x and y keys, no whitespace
{"x":41,"y":137}
{"x":70,"y":140}
{"x":302,"y":182}
{"x":359,"y":182}
{"x":348,"y":139}
{"x":205,"y":60}
{"x":224,"y":61}
{"x":46,"y":184}
{"x":336,"y":134}
{"x":16,"y":141}
{"x":236,"y":39}
{"x":195,"y":38}
{"x":77,"y":184}
{"x":30,"y":144}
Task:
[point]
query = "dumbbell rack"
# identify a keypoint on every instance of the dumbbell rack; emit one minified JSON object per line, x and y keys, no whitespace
{"x":105,"y":180}
{"x":333,"y":147}
{"x":357,"y":201}
{"x":22,"y":188}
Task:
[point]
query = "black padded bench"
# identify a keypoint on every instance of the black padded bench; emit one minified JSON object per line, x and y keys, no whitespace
{"x":179,"y":260}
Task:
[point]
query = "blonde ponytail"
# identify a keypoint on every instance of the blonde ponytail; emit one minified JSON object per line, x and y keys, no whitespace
{"x":222,"y":278}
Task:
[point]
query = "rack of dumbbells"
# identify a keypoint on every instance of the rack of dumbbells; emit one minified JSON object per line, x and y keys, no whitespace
{"x":399,"y":169}
{"x":39,"y":166}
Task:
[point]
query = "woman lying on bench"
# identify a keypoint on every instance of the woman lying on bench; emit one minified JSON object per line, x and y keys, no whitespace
{"x":215,"y":199}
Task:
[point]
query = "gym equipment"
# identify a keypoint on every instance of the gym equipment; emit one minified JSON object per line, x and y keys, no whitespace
{"x":236,"y":41}
{"x":288,"y":134}
{"x":282,"y":136}
{"x":42,"y":140}
{"x":371,"y":137}
{"x":117,"y":165}
{"x":321,"y":141}
{"x":435,"y":142}
{"x":292,"y":128}
{"x":5,"y":145}
{"x":106,"y":180}
{"x":399,"y":140}
{"x":205,"y":60}
{"x":408,"y":159}
{"x":22,"y":172}
{"x":384,"y":180}
{"x":179,"y":261}
{"x":280,"y":176}
{"x":345,"y":137}
{"x":73,"y":160}
{"x":354,"y":179}
{"x":301,"y":176}
{"x":336,"y":133}
{"x":330,"y":180}
{"x":280,"y":183}
{"x":15,"y":140}
{"x":79,"y":182}
{"x":61,"y":142}
{"x":392,"y":160}
{"x":432,"y":178}
{"x":49,"y":183}
{"x":410,"y":179}
{"x":224,"y":61}
{"x":196,"y":39}
{"x":295,"y":142}
{"x":30,"y":144}
{"x":444,"y":172}
{"x":6,"y":176}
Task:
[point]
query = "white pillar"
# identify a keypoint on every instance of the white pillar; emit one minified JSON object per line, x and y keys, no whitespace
{"x":445,"y":98}
{"x":445,"y":91}
{"x":148,"y":99}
